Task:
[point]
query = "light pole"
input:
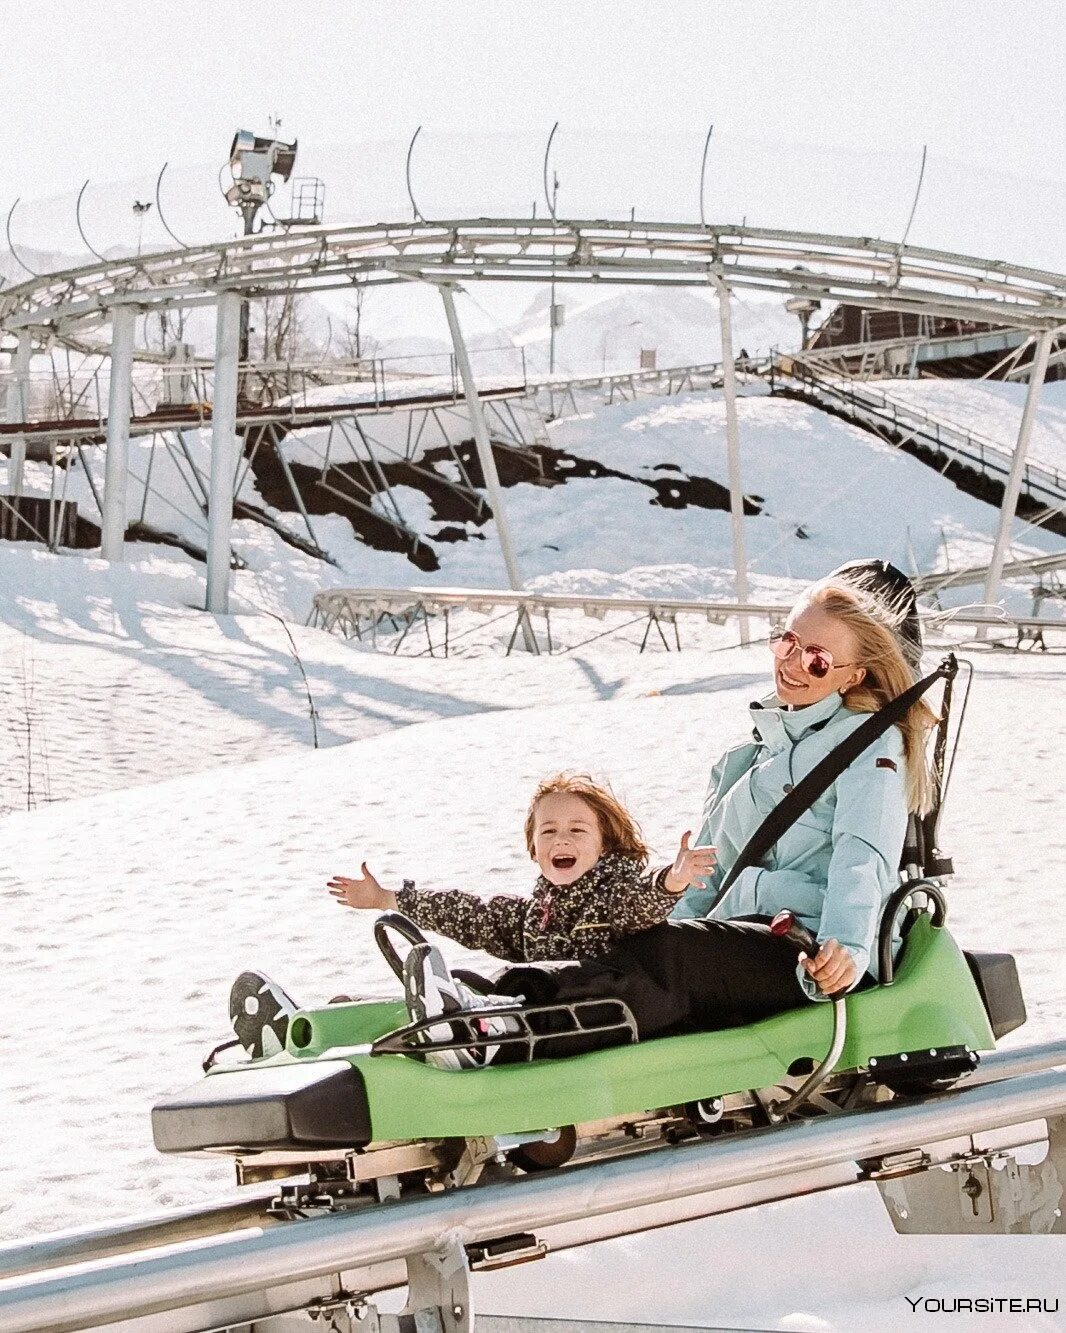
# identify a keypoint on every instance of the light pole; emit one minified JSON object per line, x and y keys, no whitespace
{"x":551,"y":195}
{"x":253,"y":162}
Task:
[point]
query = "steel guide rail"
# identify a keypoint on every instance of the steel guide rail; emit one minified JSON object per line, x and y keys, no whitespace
{"x":336,"y":601}
{"x":572,"y":1207}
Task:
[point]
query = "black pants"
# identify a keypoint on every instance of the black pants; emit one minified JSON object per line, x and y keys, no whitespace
{"x":681,"y":976}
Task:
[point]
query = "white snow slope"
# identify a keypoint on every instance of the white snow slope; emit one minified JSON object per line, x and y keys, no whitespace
{"x":127,"y":911}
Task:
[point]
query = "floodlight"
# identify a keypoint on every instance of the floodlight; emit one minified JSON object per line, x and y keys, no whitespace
{"x":253,"y":161}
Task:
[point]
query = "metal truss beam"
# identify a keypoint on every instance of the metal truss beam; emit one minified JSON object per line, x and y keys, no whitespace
{"x":825,"y":267}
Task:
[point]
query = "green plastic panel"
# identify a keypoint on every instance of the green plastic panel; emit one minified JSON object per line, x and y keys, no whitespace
{"x":933,"y":1003}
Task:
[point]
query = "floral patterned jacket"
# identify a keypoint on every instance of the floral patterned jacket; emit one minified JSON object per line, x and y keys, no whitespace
{"x":585,"y":919}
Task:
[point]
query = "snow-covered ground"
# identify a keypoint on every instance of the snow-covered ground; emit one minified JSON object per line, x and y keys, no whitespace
{"x":192,"y":826}
{"x":820,"y":484}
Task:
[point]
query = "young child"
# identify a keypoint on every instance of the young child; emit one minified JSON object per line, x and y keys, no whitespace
{"x":592,"y":890}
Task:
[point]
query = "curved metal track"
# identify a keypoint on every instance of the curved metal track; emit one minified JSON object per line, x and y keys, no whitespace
{"x":822,"y":267}
{"x":206,"y":1279}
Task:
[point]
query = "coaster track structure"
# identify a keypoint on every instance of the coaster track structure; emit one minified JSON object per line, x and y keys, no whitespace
{"x":69,"y":306}
{"x":809,"y":264}
{"x":986,"y":1159}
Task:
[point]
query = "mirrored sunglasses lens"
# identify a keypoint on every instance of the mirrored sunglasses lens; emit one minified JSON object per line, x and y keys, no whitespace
{"x":816,"y":663}
{"x":782,"y":644}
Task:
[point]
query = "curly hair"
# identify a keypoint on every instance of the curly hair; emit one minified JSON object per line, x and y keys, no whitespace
{"x":619,"y":830}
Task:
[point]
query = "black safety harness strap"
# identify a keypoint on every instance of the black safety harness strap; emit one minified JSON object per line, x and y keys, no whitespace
{"x":822,"y":776}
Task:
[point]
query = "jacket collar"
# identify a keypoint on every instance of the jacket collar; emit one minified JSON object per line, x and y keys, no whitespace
{"x":776,"y":728}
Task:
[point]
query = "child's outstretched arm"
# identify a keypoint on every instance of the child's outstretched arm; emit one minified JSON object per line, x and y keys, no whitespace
{"x":648,"y":899}
{"x":364,"y":891}
{"x":492,"y":924}
{"x":690,"y":864}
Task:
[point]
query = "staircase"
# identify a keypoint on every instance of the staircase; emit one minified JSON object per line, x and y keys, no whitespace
{"x":953,"y":449}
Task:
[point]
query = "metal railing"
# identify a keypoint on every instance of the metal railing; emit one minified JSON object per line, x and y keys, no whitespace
{"x":392,"y":613}
{"x":866,"y":403}
{"x":875,"y":358}
{"x":81,"y":397}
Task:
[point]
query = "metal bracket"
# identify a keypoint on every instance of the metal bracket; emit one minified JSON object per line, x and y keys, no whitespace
{"x":1011,"y":1188}
{"x":476,"y":1155}
{"x":439,"y":1292}
{"x":438,"y":1298}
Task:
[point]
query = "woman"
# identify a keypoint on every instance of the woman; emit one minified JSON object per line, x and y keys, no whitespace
{"x":849,"y":646}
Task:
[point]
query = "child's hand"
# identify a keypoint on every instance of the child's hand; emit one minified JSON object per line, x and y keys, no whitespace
{"x":692,"y":863}
{"x":363,"y":892}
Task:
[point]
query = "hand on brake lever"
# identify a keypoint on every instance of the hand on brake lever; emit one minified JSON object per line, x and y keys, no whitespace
{"x":832,"y":969}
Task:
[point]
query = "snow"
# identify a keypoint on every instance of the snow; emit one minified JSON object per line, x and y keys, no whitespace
{"x":820,"y":484}
{"x":182,"y":824}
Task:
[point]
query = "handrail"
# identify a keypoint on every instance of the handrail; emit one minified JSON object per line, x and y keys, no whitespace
{"x":861,"y":396}
{"x":332,"y":600}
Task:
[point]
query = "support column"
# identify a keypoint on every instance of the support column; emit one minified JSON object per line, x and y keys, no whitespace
{"x":223,"y":451}
{"x":732,"y":435}
{"x":1017,"y":468}
{"x":484,"y":453}
{"x":16,"y":411}
{"x":117,"y":461}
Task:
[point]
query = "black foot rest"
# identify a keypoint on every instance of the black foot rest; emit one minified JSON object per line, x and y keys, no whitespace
{"x":320,"y":1104}
{"x":916,"y":1072}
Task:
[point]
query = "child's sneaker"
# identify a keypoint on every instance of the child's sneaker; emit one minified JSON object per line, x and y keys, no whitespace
{"x":431,"y":991}
{"x":259,"y":1011}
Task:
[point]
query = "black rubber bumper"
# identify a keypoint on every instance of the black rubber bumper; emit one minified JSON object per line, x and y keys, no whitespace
{"x":312,"y":1104}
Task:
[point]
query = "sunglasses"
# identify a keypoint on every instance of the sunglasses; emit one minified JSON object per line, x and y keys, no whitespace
{"x":816,"y":662}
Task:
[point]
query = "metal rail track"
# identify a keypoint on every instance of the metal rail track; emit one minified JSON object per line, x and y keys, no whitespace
{"x":334,"y":1262}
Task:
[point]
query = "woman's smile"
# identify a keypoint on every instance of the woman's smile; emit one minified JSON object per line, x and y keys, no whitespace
{"x":790,"y":682}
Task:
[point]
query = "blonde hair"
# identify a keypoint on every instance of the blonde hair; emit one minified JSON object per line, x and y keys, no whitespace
{"x":618,"y":829}
{"x":887,"y":676}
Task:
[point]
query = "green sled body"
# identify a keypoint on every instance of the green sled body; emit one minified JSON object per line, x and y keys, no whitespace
{"x":933,"y":1003}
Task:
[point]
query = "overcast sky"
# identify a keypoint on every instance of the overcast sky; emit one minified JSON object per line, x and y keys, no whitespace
{"x":111,"y":89}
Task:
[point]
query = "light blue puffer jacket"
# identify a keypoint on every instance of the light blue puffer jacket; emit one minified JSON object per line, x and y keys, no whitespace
{"x":838,"y":864}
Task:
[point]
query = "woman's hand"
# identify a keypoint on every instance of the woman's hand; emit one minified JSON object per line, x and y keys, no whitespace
{"x":691,"y":863}
{"x":832,"y":968}
{"x":362,"y":892}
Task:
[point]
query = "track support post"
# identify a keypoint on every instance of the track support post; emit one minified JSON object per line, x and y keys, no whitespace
{"x":484,"y":453}
{"x":992,"y":1191}
{"x":224,"y":456}
{"x":1017,"y":470}
{"x":117,"y":462}
{"x":15,"y":411}
{"x":732,"y":435}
